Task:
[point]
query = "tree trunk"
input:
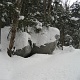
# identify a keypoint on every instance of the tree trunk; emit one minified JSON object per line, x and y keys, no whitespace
{"x":62,"y":37}
{"x":44,"y":2}
{"x":14,"y":26}
{"x":49,"y":6}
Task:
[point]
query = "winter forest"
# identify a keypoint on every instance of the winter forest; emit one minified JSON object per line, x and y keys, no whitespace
{"x":39,"y":40}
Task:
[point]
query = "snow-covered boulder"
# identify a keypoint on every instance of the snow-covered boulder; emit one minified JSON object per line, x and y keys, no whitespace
{"x":21,"y":44}
{"x":47,"y":48}
{"x":45,"y":40}
{"x":24,"y":52}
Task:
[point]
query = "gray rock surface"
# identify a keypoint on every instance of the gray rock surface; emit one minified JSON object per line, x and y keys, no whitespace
{"x":23,"y":52}
{"x":44,"y":49}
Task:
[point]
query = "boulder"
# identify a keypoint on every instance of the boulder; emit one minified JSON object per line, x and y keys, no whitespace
{"x":22,"y":44}
{"x":47,"y":48}
{"x":23,"y":52}
{"x":44,"y":41}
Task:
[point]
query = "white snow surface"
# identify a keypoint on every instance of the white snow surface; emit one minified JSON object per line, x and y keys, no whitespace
{"x":1,"y":4}
{"x":61,"y":65}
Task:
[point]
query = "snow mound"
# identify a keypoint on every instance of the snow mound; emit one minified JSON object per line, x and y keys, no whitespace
{"x":21,"y":40}
{"x":66,"y":49}
{"x":44,"y":36}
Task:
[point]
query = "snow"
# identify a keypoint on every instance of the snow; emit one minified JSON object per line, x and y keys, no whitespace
{"x":39,"y":25}
{"x":70,"y":2}
{"x":21,"y":39}
{"x":52,"y":18}
{"x":36,"y":13}
{"x":3,"y":20}
{"x":17,"y":10}
{"x":74,"y":18}
{"x":4,"y":14}
{"x":61,"y":65}
{"x":44,"y":36}
{"x":9,"y":3}
{"x":21,"y":17}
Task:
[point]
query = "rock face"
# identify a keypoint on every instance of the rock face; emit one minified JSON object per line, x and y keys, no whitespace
{"x":23,"y":52}
{"x":44,"y":49}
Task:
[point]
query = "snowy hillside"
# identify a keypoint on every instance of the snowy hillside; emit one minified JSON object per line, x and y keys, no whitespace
{"x":61,"y":65}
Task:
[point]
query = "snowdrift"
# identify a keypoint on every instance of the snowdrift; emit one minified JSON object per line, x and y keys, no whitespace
{"x":61,"y":65}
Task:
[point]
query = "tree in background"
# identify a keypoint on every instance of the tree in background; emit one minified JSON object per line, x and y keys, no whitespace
{"x":61,"y":18}
{"x":75,"y":23}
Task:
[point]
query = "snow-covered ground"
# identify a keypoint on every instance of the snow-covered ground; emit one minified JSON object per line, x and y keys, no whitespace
{"x":61,"y":65}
